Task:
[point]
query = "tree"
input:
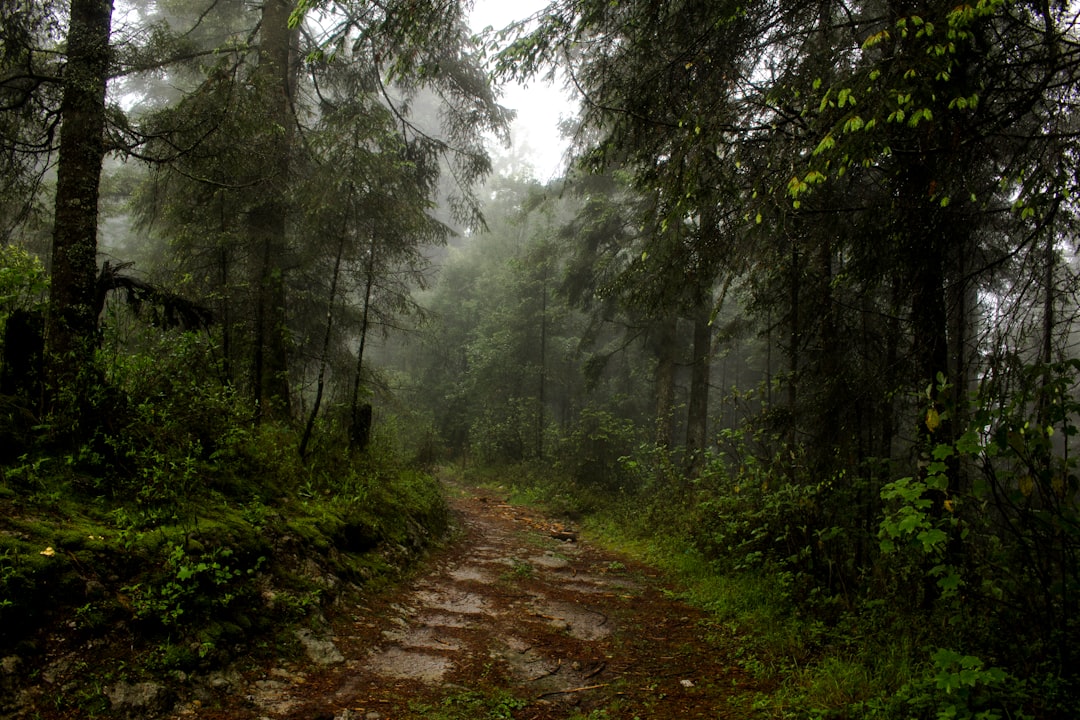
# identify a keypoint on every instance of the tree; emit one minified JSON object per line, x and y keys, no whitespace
{"x":72,"y":316}
{"x":274,"y":80}
{"x":320,"y":158}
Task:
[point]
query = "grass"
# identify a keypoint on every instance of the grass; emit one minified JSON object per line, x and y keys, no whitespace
{"x":805,"y":669}
{"x":494,"y":704}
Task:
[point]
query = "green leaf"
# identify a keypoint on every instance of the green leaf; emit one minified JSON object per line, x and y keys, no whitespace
{"x":853,"y":124}
{"x":909,"y":523}
{"x":932,"y":538}
{"x":827,"y":143}
{"x":825,"y":101}
{"x":942,"y":451}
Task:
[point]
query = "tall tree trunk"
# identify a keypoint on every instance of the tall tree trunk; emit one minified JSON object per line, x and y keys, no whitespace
{"x":795,"y":345}
{"x":664,"y":381}
{"x":268,"y":220}
{"x":697,"y":419}
{"x":543,"y":368}
{"x":72,"y":316}
{"x":1046,"y":350}
{"x":328,"y":334}
{"x":360,"y":416}
{"x":226,"y":318}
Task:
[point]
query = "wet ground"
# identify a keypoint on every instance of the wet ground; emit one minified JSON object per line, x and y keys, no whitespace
{"x":517,"y":608}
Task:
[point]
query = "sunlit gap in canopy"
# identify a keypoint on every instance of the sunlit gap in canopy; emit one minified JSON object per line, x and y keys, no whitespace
{"x":538,"y":148}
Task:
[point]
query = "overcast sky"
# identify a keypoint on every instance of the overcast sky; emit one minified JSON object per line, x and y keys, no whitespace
{"x":539,"y":106}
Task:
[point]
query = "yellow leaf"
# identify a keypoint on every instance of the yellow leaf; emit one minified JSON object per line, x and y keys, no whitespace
{"x":948,"y":505}
{"x":1058,"y":485}
{"x":1026,"y":485}
{"x":933,"y":419}
{"x":47,"y":552}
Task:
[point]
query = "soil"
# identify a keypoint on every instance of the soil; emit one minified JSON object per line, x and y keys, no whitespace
{"x":518,"y":606}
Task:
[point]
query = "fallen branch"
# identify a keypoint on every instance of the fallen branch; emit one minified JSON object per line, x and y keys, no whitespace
{"x":572,"y":690}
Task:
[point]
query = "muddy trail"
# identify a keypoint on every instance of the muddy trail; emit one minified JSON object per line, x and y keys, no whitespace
{"x":517,"y":618}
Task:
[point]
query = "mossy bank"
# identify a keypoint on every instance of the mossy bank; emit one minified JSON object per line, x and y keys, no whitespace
{"x":122,"y":603}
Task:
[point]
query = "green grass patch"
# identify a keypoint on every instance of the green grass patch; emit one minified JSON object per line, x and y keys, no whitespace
{"x":472,"y":705}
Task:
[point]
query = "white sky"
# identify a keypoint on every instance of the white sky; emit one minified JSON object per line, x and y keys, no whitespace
{"x":539,"y":106}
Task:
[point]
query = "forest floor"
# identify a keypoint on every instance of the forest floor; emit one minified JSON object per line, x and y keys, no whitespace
{"x":506,"y":621}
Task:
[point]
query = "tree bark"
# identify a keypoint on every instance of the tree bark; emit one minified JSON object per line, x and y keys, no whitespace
{"x":697,"y":420}
{"x":323,"y":358}
{"x":360,"y":415}
{"x":664,"y":381}
{"x":72,"y":318}
{"x":268,"y":219}
{"x":542,"y":390}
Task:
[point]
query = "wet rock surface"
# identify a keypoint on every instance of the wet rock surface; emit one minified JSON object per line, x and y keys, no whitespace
{"x":563,"y":626}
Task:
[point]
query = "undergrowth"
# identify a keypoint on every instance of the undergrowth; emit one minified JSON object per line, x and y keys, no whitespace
{"x":180,"y":537}
{"x":839,"y":618}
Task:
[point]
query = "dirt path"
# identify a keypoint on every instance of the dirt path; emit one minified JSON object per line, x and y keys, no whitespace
{"x":508,"y":622}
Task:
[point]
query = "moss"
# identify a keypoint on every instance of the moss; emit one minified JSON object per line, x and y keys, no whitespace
{"x":145,"y":577}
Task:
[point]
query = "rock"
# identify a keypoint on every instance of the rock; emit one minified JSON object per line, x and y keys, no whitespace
{"x":140,"y":700}
{"x":221,"y":680}
{"x":319,"y":651}
{"x":347,"y":715}
{"x":95,"y":589}
{"x":10,"y":665}
{"x":9,"y":670}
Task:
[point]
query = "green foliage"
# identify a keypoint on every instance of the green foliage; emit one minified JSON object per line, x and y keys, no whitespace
{"x":190,"y":588}
{"x":591,"y":451}
{"x":474,"y":705}
{"x":23,"y":280}
{"x":954,"y":687}
{"x":972,"y":554}
{"x":920,"y":518}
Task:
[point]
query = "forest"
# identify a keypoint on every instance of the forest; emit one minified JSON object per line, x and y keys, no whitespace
{"x":796,"y":323}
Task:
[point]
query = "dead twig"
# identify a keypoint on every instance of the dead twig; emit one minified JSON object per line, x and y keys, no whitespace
{"x":599,"y":669}
{"x":572,"y":690}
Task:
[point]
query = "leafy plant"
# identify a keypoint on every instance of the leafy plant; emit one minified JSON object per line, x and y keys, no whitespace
{"x":474,"y":705}
{"x":189,"y":586}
